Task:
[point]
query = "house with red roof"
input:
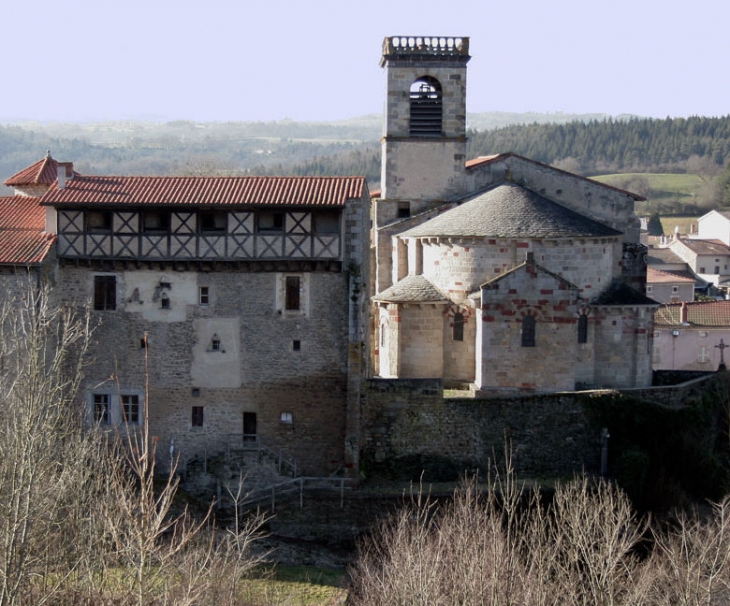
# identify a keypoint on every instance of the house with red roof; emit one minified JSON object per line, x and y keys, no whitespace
{"x":242,"y":300}
{"x":692,"y":335}
{"x":501,"y":274}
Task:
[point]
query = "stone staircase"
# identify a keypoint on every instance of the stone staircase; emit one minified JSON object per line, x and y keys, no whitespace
{"x":219,"y":475}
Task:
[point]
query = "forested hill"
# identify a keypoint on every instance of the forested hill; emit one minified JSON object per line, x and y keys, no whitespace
{"x":612,"y":146}
{"x":588,"y":145}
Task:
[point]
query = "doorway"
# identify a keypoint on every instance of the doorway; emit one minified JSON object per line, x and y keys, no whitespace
{"x":249,"y":427}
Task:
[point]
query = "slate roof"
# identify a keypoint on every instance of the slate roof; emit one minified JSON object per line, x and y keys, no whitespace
{"x":619,"y":293}
{"x":22,"y":239}
{"x":658,"y":276}
{"x":206,"y":191}
{"x":412,"y":289}
{"x":699,"y":313}
{"x":511,"y":211}
{"x":43,"y":172}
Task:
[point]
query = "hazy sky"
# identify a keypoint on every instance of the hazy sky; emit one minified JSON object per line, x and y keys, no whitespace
{"x":222,"y":60}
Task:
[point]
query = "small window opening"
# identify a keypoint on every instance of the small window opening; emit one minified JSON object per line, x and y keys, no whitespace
{"x":164,"y":301}
{"x":98,"y":221}
{"x":213,"y":221}
{"x":326,"y":222}
{"x":426,"y":107}
{"x":297,"y":345}
{"x":197,"y":416}
{"x":204,"y":295}
{"x":404,"y":210}
{"x":287,"y":418}
{"x":528,"y":331}
{"x":195,"y":391}
{"x":269,"y":221}
{"x":155,"y":221}
{"x":143,"y":343}
{"x":215,"y":344}
{"x":293,"y":301}
{"x":458,"y":332}
{"x":583,"y":329}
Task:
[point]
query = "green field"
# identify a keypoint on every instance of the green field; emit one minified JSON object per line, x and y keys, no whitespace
{"x":659,"y":186}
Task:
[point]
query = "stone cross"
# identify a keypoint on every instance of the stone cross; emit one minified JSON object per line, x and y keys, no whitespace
{"x":722,"y":348}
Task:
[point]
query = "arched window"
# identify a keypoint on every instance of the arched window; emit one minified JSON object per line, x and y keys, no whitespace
{"x":426,"y":107}
{"x":458,"y":334}
{"x":528,"y":331}
{"x":583,"y":328}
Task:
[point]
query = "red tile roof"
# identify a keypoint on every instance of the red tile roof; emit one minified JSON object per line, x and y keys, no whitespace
{"x":43,"y":172}
{"x":658,"y":276}
{"x":699,"y":313}
{"x":206,"y":191}
{"x":22,"y":239}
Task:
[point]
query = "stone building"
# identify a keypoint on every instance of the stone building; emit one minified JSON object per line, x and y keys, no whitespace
{"x":500,"y":273}
{"x":243,"y":300}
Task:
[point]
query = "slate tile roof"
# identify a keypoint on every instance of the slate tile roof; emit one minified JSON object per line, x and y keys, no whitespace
{"x":206,"y":191}
{"x":22,"y":239}
{"x":658,"y":276}
{"x":43,"y":172}
{"x":511,"y":211}
{"x":699,"y":313}
{"x":412,"y":289}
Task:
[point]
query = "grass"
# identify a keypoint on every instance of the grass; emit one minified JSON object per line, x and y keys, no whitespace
{"x":662,"y":185}
{"x":295,"y":586}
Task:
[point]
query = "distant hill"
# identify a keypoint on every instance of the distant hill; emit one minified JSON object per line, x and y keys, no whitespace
{"x":586,"y":143}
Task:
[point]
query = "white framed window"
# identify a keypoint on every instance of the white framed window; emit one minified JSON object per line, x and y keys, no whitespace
{"x":286,"y":418}
{"x":204,"y":296}
{"x":702,"y":354}
{"x":109,"y":408}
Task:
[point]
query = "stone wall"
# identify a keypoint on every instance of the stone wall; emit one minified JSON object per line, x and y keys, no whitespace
{"x":408,"y":426}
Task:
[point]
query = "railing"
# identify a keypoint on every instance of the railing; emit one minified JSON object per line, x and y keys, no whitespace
{"x":431,"y":45}
{"x":206,"y":446}
{"x":297,"y":484}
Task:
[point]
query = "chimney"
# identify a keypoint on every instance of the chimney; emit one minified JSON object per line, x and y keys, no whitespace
{"x":65,"y":171}
{"x":683,"y":313}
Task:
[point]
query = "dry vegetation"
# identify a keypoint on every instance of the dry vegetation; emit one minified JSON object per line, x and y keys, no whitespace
{"x":509,"y":547}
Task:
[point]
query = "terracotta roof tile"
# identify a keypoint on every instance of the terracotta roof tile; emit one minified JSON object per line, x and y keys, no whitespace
{"x":206,"y":191}
{"x":658,"y":276}
{"x":22,"y":239}
{"x":699,"y":313}
{"x":43,"y":172}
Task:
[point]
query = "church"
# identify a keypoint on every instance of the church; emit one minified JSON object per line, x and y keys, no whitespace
{"x":499,"y":274}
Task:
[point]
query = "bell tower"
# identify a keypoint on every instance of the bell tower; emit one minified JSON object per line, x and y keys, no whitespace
{"x":424,"y":143}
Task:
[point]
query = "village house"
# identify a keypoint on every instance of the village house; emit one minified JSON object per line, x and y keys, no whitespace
{"x":501,"y":273}
{"x":692,"y":336}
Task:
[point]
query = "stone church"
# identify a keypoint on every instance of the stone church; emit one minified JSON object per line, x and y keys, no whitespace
{"x":500,"y":274}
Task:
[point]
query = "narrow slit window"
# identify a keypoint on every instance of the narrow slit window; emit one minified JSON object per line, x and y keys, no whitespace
{"x":458,"y":331}
{"x":528,"y":331}
{"x":583,"y":329}
{"x":105,"y":293}
{"x":197,"y":416}
{"x":293,"y":300}
{"x":204,"y":296}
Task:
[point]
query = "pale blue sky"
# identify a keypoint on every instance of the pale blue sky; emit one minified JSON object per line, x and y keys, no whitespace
{"x":222,"y":60}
